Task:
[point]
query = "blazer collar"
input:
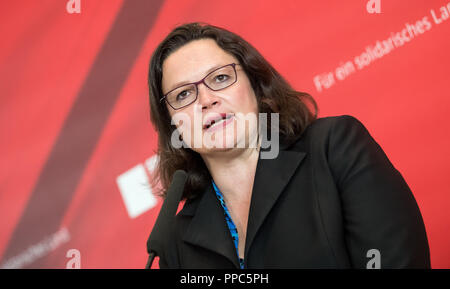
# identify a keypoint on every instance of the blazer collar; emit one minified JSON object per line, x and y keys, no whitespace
{"x":208,"y":227}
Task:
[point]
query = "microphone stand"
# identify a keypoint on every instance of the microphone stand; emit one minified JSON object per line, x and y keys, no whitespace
{"x":151,"y":256}
{"x":158,"y":236}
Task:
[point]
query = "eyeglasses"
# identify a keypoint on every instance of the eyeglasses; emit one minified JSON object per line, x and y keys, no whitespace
{"x":217,"y":79}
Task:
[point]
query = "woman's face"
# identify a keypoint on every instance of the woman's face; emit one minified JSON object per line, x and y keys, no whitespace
{"x":191,"y":63}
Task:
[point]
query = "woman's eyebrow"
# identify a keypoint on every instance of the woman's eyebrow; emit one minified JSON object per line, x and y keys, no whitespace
{"x":178,"y":84}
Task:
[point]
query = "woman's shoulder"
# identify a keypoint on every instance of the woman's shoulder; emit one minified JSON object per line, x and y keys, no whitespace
{"x":325,"y":124}
{"x":322,"y":128}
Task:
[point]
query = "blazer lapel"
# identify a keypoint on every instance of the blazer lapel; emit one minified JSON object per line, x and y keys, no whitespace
{"x":208,"y":228}
{"x":271,"y":177}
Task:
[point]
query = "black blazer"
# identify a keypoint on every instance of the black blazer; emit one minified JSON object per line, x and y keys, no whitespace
{"x":324,"y":202}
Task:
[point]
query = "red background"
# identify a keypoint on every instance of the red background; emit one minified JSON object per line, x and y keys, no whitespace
{"x":74,"y":107}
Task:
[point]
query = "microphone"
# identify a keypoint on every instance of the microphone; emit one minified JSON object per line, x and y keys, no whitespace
{"x":160,"y":231}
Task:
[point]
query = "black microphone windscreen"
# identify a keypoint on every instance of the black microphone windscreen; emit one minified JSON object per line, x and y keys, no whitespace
{"x":168,"y":210}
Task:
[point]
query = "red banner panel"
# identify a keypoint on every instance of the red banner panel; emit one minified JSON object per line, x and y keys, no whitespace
{"x":78,"y":149}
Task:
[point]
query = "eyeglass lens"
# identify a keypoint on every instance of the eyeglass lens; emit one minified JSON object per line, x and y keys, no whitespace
{"x":216,"y":80}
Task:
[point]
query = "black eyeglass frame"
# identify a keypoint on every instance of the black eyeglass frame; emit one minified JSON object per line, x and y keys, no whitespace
{"x":201,"y":81}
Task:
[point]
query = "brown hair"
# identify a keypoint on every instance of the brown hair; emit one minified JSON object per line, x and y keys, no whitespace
{"x":273,"y":93}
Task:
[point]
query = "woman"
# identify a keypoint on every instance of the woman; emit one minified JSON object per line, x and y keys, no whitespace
{"x":329,"y":198}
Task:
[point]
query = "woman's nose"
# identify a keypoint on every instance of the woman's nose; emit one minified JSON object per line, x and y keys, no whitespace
{"x":206,"y":96}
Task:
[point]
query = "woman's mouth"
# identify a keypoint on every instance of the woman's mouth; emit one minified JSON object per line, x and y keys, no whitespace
{"x":219,"y":124}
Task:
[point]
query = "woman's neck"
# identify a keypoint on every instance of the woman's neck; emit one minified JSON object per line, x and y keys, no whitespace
{"x":233,"y":172}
